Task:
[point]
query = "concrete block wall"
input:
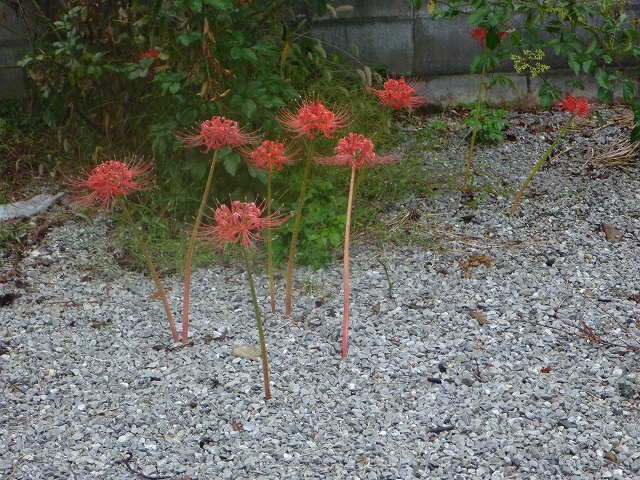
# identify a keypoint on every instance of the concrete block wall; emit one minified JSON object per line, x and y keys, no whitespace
{"x":13,"y":45}
{"x":412,"y":43}
{"x":375,"y":32}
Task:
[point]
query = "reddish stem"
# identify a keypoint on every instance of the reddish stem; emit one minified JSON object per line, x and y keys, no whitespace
{"x":154,"y":274}
{"x":347,"y":231}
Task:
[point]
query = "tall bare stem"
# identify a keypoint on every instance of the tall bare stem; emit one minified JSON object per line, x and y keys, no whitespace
{"x":347,"y":231}
{"x":256,"y":309}
{"x":272,"y":288}
{"x":296,"y":228}
{"x":154,"y":273}
{"x":192,"y":242}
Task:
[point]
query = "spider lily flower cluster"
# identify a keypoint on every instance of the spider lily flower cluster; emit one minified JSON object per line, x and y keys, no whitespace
{"x":242,"y":223}
{"x":398,"y":94}
{"x":247,"y":223}
{"x":111,"y":180}
{"x":107,"y":186}
{"x":480,"y":34}
{"x":577,"y":107}
{"x":354,"y":151}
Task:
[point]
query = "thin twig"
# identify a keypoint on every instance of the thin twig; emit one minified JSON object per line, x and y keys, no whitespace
{"x":127,"y":463}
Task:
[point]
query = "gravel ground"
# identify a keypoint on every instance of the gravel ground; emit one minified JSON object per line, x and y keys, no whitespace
{"x":505,"y":352}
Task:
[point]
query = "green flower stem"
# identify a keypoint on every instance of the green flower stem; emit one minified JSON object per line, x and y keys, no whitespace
{"x":256,"y":308}
{"x":192,"y":242}
{"x":538,"y":166}
{"x":476,"y":122}
{"x":347,"y":232}
{"x":296,"y":228}
{"x":272,"y":288}
{"x":154,"y":273}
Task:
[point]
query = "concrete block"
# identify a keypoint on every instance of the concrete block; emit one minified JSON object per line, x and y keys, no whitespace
{"x":367,"y":9}
{"x":387,"y":42}
{"x":451,"y":90}
{"x":13,"y":45}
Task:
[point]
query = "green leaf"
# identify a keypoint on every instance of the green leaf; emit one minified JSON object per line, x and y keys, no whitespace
{"x":195,"y":5}
{"x":635,"y":133}
{"x":221,"y":4}
{"x":574,"y":63}
{"x":602,"y":77}
{"x":245,"y":53}
{"x":480,"y":14}
{"x":249,"y":108}
{"x":628,"y":91}
{"x":335,"y":237}
{"x":605,"y":93}
{"x":548,"y":95}
{"x":187,"y":117}
{"x":588,"y":65}
{"x":476,"y":63}
{"x":591,"y":46}
{"x":197,"y":167}
{"x":231,"y":163}
{"x":322,"y":7}
{"x":492,"y":40}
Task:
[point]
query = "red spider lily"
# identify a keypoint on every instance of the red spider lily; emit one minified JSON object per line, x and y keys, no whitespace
{"x":312,"y":119}
{"x":480,"y":34}
{"x":151,"y":53}
{"x":269,"y":155}
{"x":355,"y":151}
{"x":218,"y":132}
{"x":241,"y":223}
{"x":578,"y":107}
{"x":399,"y":94}
{"x":111,"y":179}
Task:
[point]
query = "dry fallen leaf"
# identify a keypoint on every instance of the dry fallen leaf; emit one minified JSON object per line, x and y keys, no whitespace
{"x":236,"y":426}
{"x":612,"y":234}
{"x":476,"y":261}
{"x":546,"y":369}
{"x":481,"y":320}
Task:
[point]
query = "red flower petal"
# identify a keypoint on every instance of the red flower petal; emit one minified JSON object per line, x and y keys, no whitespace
{"x":312,"y":119}
{"x":398,"y":94}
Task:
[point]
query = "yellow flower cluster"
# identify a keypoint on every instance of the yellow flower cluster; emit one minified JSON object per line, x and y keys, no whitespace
{"x":530,"y":61}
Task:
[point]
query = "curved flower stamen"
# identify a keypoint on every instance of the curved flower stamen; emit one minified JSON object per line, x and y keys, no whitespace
{"x":356,"y":151}
{"x":111,"y":179}
{"x":313,"y":119}
{"x":216,"y":133}
{"x":400,"y":94}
